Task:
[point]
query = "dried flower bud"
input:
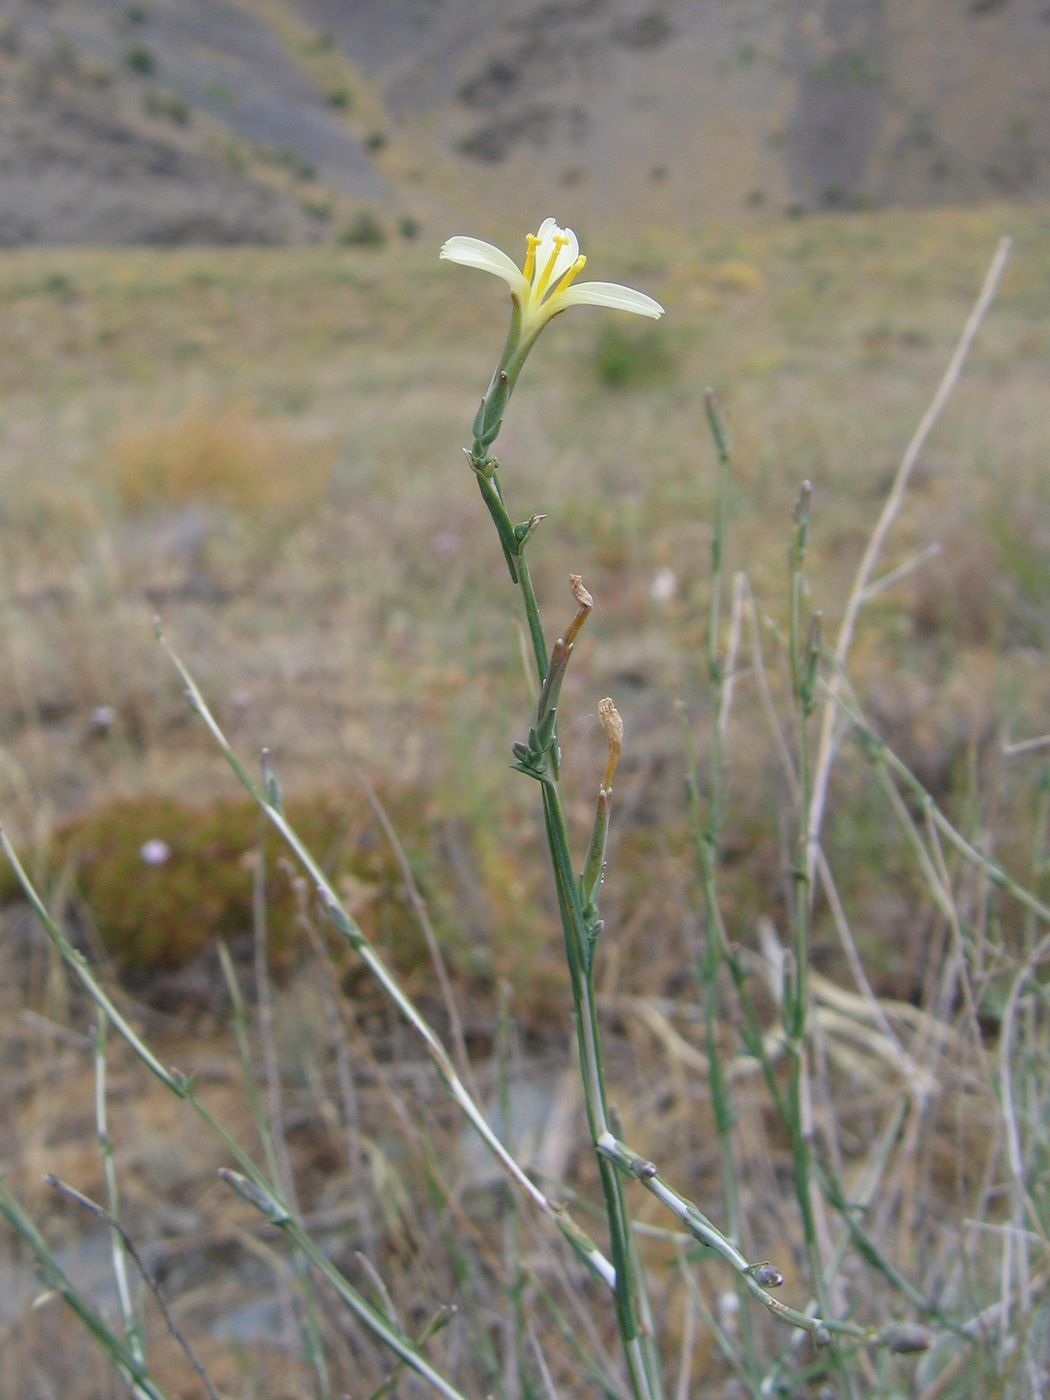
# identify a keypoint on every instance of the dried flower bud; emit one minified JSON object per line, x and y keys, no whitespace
{"x":271,"y":783}
{"x":766,"y":1275}
{"x":802,"y":505}
{"x":905,"y":1337}
{"x":580,"y":593}
{"x":584,"y":603}
{"x":612,"y":725}
{"x":256,"y":1196}
{"x":609,"y":717}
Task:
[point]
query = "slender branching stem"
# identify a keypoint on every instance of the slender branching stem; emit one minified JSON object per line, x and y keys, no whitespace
{"x":128,"y":1308}
{"x":532,"y":617}
{"x":716,"y":952}
{"x":251,"y":1181}
{"x":351,"y":931}
{"x":882,"y":756}
{"x":121,"y":1355}
{"x":804,"y":656}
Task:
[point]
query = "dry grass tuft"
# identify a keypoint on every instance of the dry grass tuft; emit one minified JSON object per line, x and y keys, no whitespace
{"x":223,"y":453}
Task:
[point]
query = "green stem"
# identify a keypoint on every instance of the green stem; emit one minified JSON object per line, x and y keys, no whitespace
{"x":804,"y":657}
{"x":646,"y":1383}
{"x":758,"y":1277}
{"x":645,"y":1386}
{"x":349,"y":929}
{"x":493,"y":498}
{"x":251,"y":1179}
{"x":128,"y":1307}
{"x":708,"y":835}
{"x":121,"y":1355}
{"x":402,"y":1346}
{"x":879,"y":753}
{"x":532,"y":617}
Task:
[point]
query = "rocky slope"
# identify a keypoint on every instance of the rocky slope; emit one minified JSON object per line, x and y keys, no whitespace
{"x":266,"y":121}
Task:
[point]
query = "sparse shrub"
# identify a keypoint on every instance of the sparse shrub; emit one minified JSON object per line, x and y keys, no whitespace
{"x":222,"y":453}
{"x":236,"y":155}
{"x":10,"y":38}
{"x":60,"y":286}
{"x":339,"y":97}
{"x":140,"y":59}
{"x":1020,"y":584}
{"x":628,"y":359}
{"x":320,"y":209}
{"x":285,"y":158}
{"x":167,"y":106}
{"x":99,"y":75}
{"x":847,"y":67}
{"x":363,"y":231}
{"x":734,"y":275}
{"x":647,"y":31}
{"x":220,"y":92}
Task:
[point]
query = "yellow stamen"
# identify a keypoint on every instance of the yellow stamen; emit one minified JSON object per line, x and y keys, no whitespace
{"x":531,"y":240}
{"x":573,"y":273}
{"x":560,"y":241}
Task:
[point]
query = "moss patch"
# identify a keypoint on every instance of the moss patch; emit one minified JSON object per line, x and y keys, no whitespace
{"x":160,"y":880}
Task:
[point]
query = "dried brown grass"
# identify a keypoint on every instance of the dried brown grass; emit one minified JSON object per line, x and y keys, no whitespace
{"x":220,"y":453}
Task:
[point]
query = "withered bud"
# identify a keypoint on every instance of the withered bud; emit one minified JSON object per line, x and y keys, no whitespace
{"x":905,"y":1337}
{"x":609,"y":718}
{"x":580,"y":593}
{"x":802,"y":505}
{"x":612,"y":725}
{"x":766,"y":1275}
{"x":584,"y":603}
{"x":256,"y":1196}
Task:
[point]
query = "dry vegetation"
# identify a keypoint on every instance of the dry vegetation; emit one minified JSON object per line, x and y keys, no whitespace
{"x":264,"y":449}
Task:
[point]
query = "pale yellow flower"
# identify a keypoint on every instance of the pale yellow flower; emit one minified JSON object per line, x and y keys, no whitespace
{"x":546,"y":284}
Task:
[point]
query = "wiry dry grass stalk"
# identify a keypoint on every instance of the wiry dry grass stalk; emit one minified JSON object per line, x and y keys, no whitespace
{"x":860,"y":592}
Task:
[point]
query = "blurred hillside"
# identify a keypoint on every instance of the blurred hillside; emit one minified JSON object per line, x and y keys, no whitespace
{"x":212,"y":121}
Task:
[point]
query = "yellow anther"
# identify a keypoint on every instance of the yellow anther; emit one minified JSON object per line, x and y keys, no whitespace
{"x":560,"y":242}
{"x":573,"y":273}
{"x":531,"y":241}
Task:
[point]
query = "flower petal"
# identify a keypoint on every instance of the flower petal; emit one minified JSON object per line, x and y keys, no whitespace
{"x":610,"y":294}
{"x":553,"y":260}
{"x":473,"y":252}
